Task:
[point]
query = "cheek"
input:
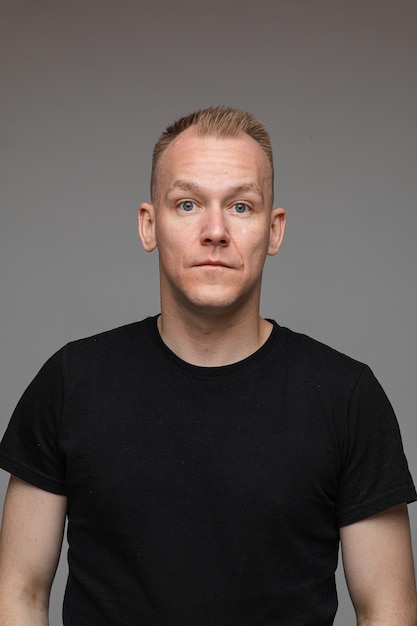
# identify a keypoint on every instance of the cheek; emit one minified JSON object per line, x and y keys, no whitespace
{"x":171,"y":250}
{"x":174,"y":233}
{"x":165,"y":239}
{"x":253,"y":241}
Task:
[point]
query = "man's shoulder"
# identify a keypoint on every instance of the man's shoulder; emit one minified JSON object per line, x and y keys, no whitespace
{"x":313,"y":353}
{"x":115,"y":343}
{"x":114,"y":335}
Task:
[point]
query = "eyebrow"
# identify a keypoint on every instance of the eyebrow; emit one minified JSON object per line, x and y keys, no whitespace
{"x":185,"y":185}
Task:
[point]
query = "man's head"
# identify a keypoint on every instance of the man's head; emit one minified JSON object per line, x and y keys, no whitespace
{"x":211,"y":218}
{"x":218,"y":122}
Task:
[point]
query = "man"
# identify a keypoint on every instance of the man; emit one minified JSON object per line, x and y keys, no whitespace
{"x":208,"y":460}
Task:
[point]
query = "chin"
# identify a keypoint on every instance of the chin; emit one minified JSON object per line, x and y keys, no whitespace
{"x":220,"y":303}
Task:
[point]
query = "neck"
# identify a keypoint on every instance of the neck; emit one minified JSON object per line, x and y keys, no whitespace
{"x":212,"y":342}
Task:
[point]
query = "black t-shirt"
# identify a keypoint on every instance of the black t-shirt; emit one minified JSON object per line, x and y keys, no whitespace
{"x":209,"y":496}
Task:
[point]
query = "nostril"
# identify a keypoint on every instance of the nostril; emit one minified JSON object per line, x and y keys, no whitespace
{"x":214,"y":242}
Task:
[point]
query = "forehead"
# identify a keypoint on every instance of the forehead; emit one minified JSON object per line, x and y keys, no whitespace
{"x":202,"y":156}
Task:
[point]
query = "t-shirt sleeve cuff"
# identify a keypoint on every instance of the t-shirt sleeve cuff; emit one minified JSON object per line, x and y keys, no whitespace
{"x":406,"y":494}
{"x":32,"y":477}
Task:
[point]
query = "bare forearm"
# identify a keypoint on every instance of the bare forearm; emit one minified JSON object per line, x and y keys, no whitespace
{"x":18,"y":611}
{"x":412,"y":621}
{"x":30,"y":543}
{"x":404,"y":615}
{"x":379,"y":568}
{"x":388,"y":622}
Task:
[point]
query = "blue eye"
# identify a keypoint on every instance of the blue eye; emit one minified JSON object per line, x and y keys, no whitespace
{"x":187,"y":205}
{"x":241,"y":207}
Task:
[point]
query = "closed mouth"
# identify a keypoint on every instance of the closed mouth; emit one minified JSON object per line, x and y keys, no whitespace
{"x":213,"y":264}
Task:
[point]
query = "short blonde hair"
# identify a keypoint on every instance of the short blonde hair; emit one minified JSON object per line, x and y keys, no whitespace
{"x":218,"y":121}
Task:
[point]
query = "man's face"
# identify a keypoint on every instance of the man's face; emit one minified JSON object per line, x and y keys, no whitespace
{"x":212,"y":223}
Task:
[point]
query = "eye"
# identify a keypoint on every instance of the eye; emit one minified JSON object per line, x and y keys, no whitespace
{"x":186,"y":206}
{"x":241,"y":208}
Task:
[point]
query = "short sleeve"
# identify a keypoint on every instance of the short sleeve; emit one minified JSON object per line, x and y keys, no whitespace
{"x":30,"y":446}
{"x":375,"y":474}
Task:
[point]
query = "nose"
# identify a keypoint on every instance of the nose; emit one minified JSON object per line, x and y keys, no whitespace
{"x":215,"y":231}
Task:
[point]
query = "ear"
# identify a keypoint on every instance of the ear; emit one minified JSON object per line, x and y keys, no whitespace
{"x":278,"y":219}
{"x":146,"y":226}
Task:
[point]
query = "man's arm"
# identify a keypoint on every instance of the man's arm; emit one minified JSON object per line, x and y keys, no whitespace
{"x":30,"y":545}
{"x":379,"y":569}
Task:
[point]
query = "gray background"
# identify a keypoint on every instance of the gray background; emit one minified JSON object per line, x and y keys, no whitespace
{"x":87,"y":86}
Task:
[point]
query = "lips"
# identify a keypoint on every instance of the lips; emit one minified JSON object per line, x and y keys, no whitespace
{"x":213,"y":264}
{"x":204,"y":262}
